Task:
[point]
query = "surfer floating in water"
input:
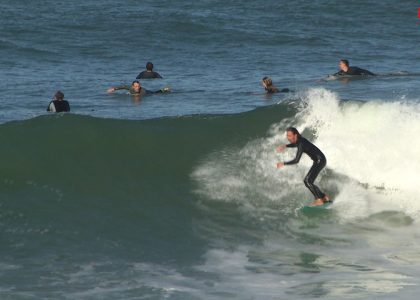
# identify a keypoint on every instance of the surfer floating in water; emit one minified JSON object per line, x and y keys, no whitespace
{"x":149,"y":73}
{"x":267,"y":83}
{"x":319,"y":162}
{"x":58,"y":104}
{"x":345,"y":69}
{"x":136,"y":90}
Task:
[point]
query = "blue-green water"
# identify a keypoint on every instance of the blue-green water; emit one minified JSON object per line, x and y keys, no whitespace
{"x":177,"y":196}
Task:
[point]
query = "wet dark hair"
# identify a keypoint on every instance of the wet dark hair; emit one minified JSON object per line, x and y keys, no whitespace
{"x":59,"y":95}
{"x":135,"y":81}
{"x":293,"y":130}
{"x":345,"y":61}
{"x":149,"y":66}
{"x":267,"y":80}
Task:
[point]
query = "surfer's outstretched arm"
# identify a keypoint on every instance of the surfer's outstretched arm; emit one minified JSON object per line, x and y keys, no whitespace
{"x":294,"y":145}
{"x":161,"y":91}
{"x":116,"y":88}
{"x":282,"y":147}
{"x":297,"y":158}
{"x":293,"y":161}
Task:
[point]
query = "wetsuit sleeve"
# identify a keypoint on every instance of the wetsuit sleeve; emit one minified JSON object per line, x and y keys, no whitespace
{"x":122,"y":87}
{"x":358,"y":71}
{"x":161,"y":91}
{"x":140,"y":76}
{"x":291,"y":145}
{"x":366,"y":72}
{"x":148,"y":92}
{"x":272,"y":90}
{"x":298,"y":155}
{"x":157,"y":75}
{"x":339,"y":73}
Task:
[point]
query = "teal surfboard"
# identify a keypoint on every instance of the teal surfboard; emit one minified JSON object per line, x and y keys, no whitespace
{"x":314,"y":209}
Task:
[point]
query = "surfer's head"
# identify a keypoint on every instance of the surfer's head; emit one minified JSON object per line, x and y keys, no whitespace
{"x":149,"y":66}
{"x":267,"y":82}
{"x":344,"y":65}
{"x":292,"y":134}
{"x":136,"y":86}
{"x":59,"y":95}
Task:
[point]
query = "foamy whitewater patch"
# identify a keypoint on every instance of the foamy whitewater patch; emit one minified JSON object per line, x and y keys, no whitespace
{"x":288,"y":273}
{"x":96,"y":281}
{"x":372,"y":149}
{"x":249,"y":176}
{"x":375,"y":144}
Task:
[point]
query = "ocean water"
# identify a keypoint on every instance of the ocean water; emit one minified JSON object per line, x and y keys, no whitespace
{"x":176,"y":196}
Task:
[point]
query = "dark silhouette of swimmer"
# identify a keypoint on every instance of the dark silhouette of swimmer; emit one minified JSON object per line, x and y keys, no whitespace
{"x":267,"y":83}
{"x":345,"y":69}
{"x":136,"y":90}
{"x":58,"y":104}
{"x":319,"y":162}
{"x":149,"y":73}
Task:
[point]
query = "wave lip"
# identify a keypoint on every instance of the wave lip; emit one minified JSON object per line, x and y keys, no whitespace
{"x":371,"y":149}
{"x":373,"y":143}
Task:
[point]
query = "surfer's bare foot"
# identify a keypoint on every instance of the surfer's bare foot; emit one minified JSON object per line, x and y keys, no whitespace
{"x":317,"y":202}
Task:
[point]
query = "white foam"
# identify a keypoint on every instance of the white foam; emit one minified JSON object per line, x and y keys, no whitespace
{"x":375,"y":143}
{"x":280,"y":274}
{"x":372,"y":148}
{"x":249,"y":176}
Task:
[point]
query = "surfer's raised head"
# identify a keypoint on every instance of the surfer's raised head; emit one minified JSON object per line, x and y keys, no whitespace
{"x":292,"y":134}
{"x":267,"y":82}
{"x":136,"y":86}
{"x":59,"y":95}
{"x":343,"y":65}
{"x":149,"y":66}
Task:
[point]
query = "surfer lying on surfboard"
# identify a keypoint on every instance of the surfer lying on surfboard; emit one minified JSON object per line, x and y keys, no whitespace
{"x":136,"y":90}
{"x":270,"y":88}
{"x":305,"y":146}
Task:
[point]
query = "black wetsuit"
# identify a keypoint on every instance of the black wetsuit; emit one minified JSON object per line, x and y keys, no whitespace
{"x":272,"y":90}
{"x":148,"y":75}
{"x":355,"y":71}
{"x":305,"y":146}
{"x":58,"y":106}
{"x":141,"y":92}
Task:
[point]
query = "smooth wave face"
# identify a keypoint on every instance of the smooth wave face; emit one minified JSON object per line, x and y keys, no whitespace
{"x":193,"y":207}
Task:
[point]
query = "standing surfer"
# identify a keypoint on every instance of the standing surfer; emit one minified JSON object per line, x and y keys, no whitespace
{"x":319,"y":162}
